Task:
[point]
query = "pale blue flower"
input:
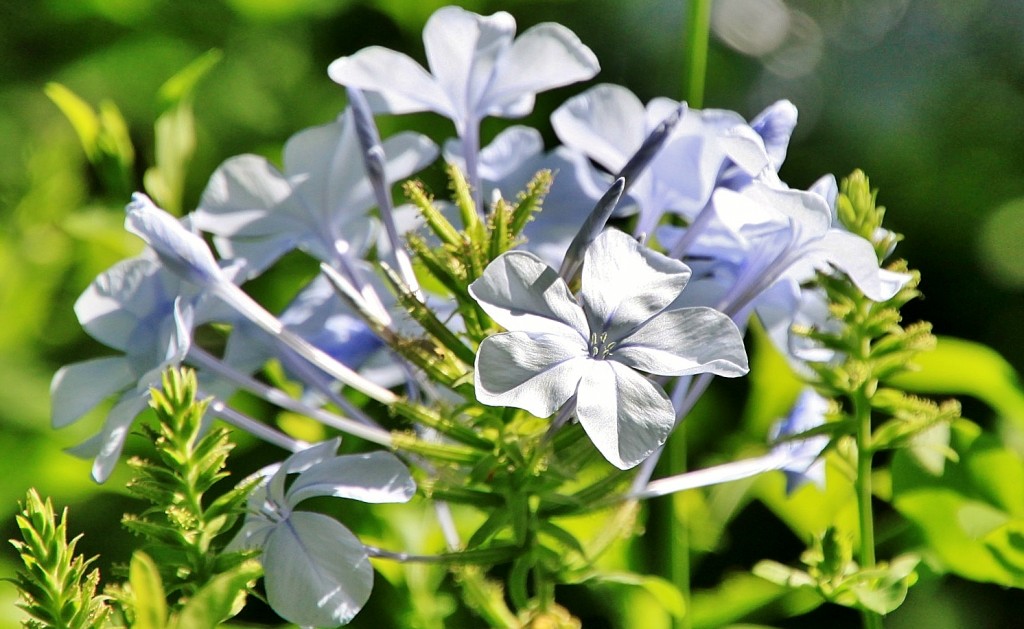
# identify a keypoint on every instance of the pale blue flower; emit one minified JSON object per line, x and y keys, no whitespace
{"x":594,"y":348}
{"x":608,"y":123}
{"x":318,"y":204}
{"x":187,"y":254}
{"x":139,"y":308}
{"x":477,"y":69}
{"x":806,"y":464}
{"x":773,"y":239}
{"x":316,"y":572}
{"x":799,"y":459}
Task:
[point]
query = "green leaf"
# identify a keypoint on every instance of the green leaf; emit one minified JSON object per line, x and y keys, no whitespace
{"x":220,"y":599}
{"x":81,"y":116}
{"x":962,"y":367}
{"x":971,"y":516}
{"x":663,"y":590}
{"x":147,"y":593}
{"x":884,"y":593}
{"x":179,"y":87}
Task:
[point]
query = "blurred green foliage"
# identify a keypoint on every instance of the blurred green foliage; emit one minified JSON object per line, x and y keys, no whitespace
{"x":926,"y":97}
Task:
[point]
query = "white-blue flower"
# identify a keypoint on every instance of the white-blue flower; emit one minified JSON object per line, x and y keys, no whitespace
{"x":318,"y":204}
{"x":806,"y":464}
{"x":316,"y":572}
{"x":596,"y":347}
{"x":476,"y":69}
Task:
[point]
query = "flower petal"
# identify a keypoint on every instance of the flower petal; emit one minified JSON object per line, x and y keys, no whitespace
{"x":625,"y":283}
{"x":462,"y":49}
{"x":607,"y":123}
{"x":317,"y":573}
{"x":373,"y":477}
{"x":855,"y":256}
{"x":78,"y":388}
{"x":775,"y":125}
{"x":394,"y":83}
{"x":520,"y":292}
{"x":544,"y":57}
{"x":107,"y":445}
{"x":684,"y":342}
{"x":111,"y":307}
{"x":626,"y":415}
{"x":535,"y":372}
{"x":181,"y":250}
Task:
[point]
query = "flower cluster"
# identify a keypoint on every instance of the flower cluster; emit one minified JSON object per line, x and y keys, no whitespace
{"x":687,"y":232}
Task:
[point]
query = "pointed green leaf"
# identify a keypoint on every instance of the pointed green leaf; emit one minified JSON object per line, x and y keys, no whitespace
{"x":147,"y":593}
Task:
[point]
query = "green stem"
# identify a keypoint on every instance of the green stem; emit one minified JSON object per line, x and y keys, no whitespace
{"x":698,"y":26}
{"x":678,"y":529}
{"x":866,"y":553}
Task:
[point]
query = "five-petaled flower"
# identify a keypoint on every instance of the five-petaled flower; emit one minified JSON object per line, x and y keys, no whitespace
{"x":594,"y":347}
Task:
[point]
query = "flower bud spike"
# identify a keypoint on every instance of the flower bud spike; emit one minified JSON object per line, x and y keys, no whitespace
{"x":589,"y":231}
{"x":373,"y":159}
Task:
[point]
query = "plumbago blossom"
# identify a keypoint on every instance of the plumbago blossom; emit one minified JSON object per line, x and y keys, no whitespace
{"x":593,"y":349}
{"x":317,"y":572}
{"x":515,"y":344}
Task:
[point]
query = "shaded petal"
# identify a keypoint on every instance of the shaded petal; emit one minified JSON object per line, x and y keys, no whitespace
{"x":375,"y":477}
{"x":296,"y":464}
{"x":247,"y":197}
{"x":544,"y":57}
{"x":626,"y":415}
{"x":775,"y":125}
{"x":683,"y":342}
{"x":183,"y":252}
{"x":110,"y":308}
{"x":625,"y":283}
{"x":78,"y":388}
{"x":520,"y":292}
{"x":804,"y":463}
{"x":394,"y":83}
{"x":807,"y":210}
{"x":856,"y":257}
{"x":506,"y":154}
{"x":325,"y":165}
{"x":317,"y":573}
{"x":607,"y":123}
{"x":535,"y":372}
{"x":106,"y":447}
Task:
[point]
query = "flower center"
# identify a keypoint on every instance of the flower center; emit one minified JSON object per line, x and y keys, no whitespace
{"x":600,"y":346}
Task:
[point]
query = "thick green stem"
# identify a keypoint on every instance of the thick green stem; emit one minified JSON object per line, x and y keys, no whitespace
{"x":698,"y":26}
{"x":866,"y":553}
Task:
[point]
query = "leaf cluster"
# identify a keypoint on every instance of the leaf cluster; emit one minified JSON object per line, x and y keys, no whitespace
{"x":184,"y":530}
{"x":832,"y":573}
{"x":55,"y":587}
{"x":873,"y":343}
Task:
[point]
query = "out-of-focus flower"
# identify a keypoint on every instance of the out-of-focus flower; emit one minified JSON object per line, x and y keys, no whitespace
{"x":318,"y":204}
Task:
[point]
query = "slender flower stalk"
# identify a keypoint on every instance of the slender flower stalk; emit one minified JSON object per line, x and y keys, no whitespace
{"x":243,"y":422}
{"x":280,"y":398}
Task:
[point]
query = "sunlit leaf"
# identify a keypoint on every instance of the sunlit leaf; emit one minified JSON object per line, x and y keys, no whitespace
{"x":147,"y":593}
